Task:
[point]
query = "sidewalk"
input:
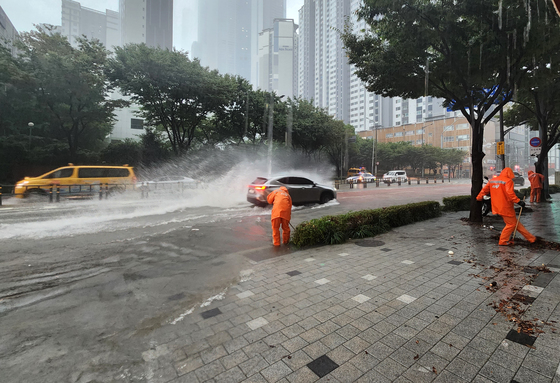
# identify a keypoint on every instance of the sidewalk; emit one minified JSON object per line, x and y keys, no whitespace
{"x":398,"y":307}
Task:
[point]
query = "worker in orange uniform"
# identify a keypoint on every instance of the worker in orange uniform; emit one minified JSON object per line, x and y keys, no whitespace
{"x":503,"y":197}
{"x":281,"y":214}
{"x":536,"y":180}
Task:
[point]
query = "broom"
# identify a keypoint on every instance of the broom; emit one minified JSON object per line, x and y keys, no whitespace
{"x":517,"y":224}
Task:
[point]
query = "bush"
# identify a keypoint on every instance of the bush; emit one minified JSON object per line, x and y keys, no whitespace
{"x":458,"y":203}
{"x":552,"y":189}
{"x":330,"y":230}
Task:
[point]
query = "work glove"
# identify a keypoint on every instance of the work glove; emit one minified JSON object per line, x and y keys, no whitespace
{"x":521,"y":203}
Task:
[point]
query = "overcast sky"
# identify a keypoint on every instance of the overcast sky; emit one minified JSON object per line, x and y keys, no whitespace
{"x":24,"y":13}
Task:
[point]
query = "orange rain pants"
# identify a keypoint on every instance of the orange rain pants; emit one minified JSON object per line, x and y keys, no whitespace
{"x":536,"y":180}
{"x":510,"y":227}
{"x":536,"y":194}
{"x":276,"y":223}
{"x":281,"y":214}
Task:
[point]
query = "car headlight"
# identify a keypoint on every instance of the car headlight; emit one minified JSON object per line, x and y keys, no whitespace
{"x":22,"y":183}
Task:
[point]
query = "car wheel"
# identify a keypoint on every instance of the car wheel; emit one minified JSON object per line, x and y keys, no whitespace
{"x":326,"y":197}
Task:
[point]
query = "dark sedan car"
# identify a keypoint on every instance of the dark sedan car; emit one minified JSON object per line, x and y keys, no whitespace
{"x":517,"y":178}
{"x":302,"y":190}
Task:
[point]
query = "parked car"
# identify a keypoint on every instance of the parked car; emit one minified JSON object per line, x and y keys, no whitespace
{"x":361,"y":177}
{"x":169,"y":183}
{"x":77,"y":180}
{"x":302,"y":190}
{"x":395,"y":176}
{"x":354,"y":172}
{"x":517,"y":178}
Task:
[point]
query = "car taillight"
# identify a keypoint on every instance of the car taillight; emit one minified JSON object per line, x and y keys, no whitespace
{"x":259,"y":187}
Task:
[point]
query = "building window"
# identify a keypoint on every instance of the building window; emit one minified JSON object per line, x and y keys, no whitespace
{"x":136,"y":123}
{"x":448,"y":139}
{"x":448,"y":128}
{"x":463,"y":137}
{"x":398,"y":134}
{"x":389,"y":135}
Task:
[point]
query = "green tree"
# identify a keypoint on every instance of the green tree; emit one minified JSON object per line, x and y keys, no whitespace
{"x":69,"y":88}
{"x":471,"y":53}
{"x":174,"y":92}
{"x":538,"y":97}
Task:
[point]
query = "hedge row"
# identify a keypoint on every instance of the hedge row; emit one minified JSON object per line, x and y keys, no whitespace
{"x":335,"y":229}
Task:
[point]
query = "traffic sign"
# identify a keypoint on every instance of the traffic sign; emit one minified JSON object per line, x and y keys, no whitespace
{"x":535,"y":151}
{"x":535,"y":142}
{"x":500,"y":151}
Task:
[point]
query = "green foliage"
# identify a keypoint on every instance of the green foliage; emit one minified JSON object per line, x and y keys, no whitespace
{"x":122,"y":152}
{"x":457,"y":203}
{"x":552,"y":189}
{"x":68,"y":89}
{"x":174,"y":92}
{"x":331,"y":230}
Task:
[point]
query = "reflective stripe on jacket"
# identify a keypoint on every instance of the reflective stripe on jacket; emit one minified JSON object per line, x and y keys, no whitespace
{"x":281,"y":203}
{"x":502,"y":193}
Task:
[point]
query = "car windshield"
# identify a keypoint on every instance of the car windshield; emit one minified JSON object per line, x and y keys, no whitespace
{"x":259,"y":181}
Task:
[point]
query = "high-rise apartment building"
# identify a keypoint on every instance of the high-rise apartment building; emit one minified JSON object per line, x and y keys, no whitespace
{"x":147,"y":21}
{"x":8,"y":33}
{"x":325,"y":76}
{"x":277,"y":56}
{"x":324,"y":73}
{"x":228,"y":32}
{"x":78,"y":21}
{"x":306,"y":51}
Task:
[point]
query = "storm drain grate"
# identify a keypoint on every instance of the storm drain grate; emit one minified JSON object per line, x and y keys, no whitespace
{"x":210,"y":313}
{"x":523,"y":298}
{"x":176,"y":297}
{"x":322,"y":366}
{"x":521,"y":338}
{"x":530,"y":270}
{"x":370,"y":243}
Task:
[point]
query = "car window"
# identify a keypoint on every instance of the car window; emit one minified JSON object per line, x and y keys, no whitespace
{"x":300,"y":181}
{"x":259,"y":181}
{"x":116,"y":172}
{"x":284,"y":180}
{"x":62,"y":173}
{"x":90,"y":173}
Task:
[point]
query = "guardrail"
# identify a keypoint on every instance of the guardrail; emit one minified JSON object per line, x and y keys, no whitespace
{"x":53,"y":192}
{"x":364,"y":183}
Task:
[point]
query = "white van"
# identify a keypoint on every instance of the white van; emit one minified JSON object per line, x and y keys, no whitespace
{"x":395,"y":176}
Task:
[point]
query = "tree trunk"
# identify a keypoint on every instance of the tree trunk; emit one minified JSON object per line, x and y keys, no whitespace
{"x":477,"y":173}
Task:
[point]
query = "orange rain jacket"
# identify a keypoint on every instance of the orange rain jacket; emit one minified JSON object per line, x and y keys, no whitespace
{"x":536,"y":180}
{"x":281,"y":203}
{"x":502,"y":193}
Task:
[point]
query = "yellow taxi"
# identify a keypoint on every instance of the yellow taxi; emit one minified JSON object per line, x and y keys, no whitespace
{"x":78,"y":179}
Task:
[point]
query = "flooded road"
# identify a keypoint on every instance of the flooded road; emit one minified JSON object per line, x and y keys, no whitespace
{"x":85,"y":286}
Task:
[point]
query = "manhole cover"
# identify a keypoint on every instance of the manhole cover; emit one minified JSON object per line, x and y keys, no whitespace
{"x":370,"y":243}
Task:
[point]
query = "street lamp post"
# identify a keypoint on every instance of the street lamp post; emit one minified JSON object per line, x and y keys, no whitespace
{"x":31,"y":125}
{"x":374,"y":144}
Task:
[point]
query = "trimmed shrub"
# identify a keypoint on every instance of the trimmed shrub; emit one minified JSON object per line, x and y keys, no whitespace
{"x":330,"y":230}
{"x":552,"y":189}
{"x":458,"y":203}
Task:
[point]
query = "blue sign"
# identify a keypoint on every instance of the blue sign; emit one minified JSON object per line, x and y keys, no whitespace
{"x":488,"y":92}
{"x":535,"y":142}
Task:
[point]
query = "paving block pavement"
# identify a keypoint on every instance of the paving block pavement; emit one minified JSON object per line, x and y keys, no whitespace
{"x":395,"y":308}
